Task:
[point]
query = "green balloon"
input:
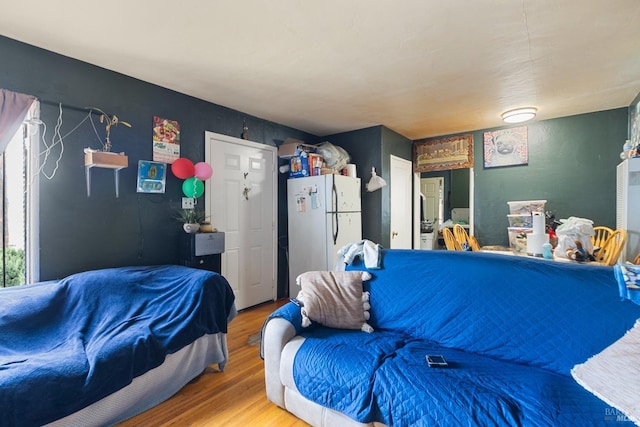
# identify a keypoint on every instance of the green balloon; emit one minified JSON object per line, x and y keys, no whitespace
{"x":193,"y":187}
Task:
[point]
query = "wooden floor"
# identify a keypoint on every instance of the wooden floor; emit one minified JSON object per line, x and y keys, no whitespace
{"x":235,"y":397}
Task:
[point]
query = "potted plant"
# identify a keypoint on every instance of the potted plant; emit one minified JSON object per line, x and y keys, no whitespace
{"x":191,"y":219}
{"x":109,"y":121}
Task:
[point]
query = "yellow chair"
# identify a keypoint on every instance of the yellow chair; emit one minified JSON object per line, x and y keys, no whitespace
{"x":449,"y":241}
{"x":612,"y":247}
{"x":600,"y":235}
{"x":475,"y":246}
{"x":461,"y":235}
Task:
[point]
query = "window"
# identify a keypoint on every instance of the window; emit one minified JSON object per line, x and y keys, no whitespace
{"x":19,"y":184}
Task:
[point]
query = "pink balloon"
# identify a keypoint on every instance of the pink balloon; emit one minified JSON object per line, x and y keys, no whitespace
{"x":203,"y":171}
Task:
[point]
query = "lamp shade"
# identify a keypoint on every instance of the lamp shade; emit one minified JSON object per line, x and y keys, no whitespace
{"x":519,"y":115}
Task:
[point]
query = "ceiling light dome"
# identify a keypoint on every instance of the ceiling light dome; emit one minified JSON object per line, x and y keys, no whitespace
{"x":519,"y":115}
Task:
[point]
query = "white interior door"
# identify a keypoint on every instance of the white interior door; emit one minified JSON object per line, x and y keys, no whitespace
{"x":432,"y":190}
{"x":240,"y":200}
{"x":441,"y":214}
{"x":401,"y":178}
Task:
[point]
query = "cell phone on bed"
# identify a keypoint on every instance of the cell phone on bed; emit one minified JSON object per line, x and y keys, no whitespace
{"x":436,"y":361}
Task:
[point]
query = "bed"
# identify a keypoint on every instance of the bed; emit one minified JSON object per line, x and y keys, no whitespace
{"x":99,"y":347}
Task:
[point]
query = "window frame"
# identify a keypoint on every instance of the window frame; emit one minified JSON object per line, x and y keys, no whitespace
{"x":32,"y":214}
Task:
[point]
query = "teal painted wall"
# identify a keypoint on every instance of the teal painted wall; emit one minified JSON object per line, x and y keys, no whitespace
{"x":372,"y":147}
{"x":572,"y":164}
{"x":459,"y":189}
{"x":365,"y":148}
{"x":79,"y":233}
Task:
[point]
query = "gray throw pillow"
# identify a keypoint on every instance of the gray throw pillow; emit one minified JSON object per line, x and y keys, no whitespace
{"x":335,"y":299}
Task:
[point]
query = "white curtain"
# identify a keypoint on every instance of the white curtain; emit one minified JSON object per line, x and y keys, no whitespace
{"x":13,"y":109}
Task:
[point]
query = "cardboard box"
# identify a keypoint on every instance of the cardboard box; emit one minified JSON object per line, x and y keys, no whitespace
{"x":292,"y":147}
{"x":299,"y":166}
{"x":315,"y":164}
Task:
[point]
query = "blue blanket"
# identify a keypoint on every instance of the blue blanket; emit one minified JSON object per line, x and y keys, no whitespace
{"x":512,"y":328}
{"x":67,"y":344}
{"x":384,"y":377}
{"x":521,"y":309}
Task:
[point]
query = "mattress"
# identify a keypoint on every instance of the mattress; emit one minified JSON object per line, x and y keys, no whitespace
{"x":69,"y":344}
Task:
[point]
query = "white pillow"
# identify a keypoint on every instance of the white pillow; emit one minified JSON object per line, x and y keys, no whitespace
{"x":613,"y":375}
{"x":335,"y":299}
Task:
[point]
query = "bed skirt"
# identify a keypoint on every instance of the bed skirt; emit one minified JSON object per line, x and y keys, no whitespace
{"x":154,"y":386}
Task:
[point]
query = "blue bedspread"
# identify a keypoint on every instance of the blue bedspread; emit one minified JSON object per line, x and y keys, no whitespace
{"x":67,"y":344}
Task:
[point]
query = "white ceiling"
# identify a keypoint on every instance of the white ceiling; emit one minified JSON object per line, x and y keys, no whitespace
{"x":420,"y":67}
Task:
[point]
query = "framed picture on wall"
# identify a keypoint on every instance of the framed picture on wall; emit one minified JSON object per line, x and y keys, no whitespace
{"x":454,"y":152}
{"x":506,"y":147}
{"x":152,"y":177}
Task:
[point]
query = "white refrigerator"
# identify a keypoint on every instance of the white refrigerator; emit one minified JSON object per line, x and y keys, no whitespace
{"x":324,"y":215}
{"x":628,"y":206}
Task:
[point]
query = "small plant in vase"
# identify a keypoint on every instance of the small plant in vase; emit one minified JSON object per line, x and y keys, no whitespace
{"x":191,"y":219}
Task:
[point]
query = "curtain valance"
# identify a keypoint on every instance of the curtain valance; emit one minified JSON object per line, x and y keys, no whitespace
{"x":13,"y":109}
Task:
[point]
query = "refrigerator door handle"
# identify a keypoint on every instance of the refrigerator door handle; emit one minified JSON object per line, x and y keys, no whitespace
{"x":334,"y":193}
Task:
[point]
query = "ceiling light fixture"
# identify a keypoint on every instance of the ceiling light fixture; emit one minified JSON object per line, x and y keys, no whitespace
{"x":519,"y":115}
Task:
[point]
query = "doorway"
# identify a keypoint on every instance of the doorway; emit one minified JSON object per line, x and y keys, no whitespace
{"x":241,"y":200}
{"x":400,"y":196}
{"x":445,"y":212}
{"x":432,"y":200}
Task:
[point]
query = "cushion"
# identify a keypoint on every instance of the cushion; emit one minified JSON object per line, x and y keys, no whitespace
{"x":614,"y":374}
{"x":335,"y":299}
{"x":628,"y":277}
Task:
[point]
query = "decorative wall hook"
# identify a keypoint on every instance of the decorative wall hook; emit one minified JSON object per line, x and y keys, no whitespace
{"x":245,"y":191}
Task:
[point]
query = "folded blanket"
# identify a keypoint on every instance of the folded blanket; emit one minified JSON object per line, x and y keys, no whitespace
{"x":367,"y":250}
{"x":628,"y":277}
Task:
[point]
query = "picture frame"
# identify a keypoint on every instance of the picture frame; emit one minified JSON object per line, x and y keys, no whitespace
{"x":455,"y":152}
{"x":152,"y":177}
{"x":166,"y":140}
{"x":506,"y":147}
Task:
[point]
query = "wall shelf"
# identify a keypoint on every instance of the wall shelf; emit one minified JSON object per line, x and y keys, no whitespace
{"x":101,"y":159}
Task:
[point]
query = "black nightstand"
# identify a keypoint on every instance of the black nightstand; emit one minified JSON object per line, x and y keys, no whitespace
{"x":201,"y":250}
